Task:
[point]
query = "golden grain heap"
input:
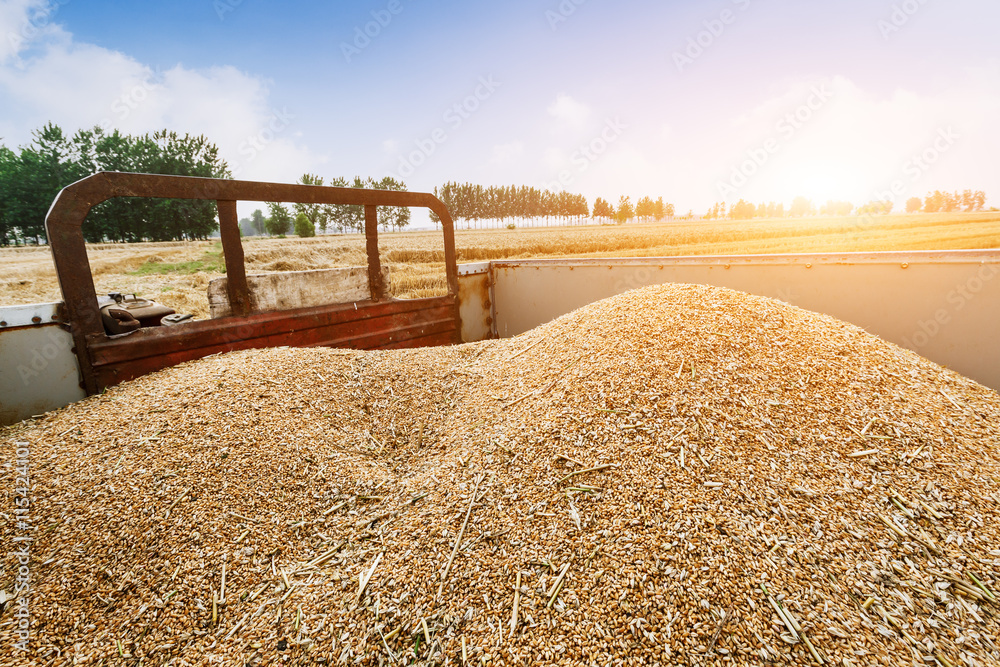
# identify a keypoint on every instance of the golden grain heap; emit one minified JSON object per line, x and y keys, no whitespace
{"x":679,"y":475}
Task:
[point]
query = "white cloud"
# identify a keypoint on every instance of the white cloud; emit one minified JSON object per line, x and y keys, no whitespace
{"x":567,"y":110}
{"x":855,"y":145}
{"x":52,"y":77}
{"x":20,"y":22}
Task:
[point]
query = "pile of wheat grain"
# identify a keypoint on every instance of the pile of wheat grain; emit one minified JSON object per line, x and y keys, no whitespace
{"x":677,"y":475}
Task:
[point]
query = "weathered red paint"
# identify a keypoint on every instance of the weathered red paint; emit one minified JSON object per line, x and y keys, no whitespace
{"x":377,"y":323}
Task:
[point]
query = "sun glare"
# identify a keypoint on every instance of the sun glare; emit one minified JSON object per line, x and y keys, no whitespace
{"x":821,"y":182}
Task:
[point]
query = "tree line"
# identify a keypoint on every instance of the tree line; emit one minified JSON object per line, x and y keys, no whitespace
{"x":646,"y":210}
{"x":32,"y":176}
{"x":333,"y":217}
{"x":479,"y":206}
{"x":935,"y":202}
{"x":491,"y":206}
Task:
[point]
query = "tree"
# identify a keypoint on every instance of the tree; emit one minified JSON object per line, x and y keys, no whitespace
{"x":316,"y":213}
{"x":602,"y":209}
{"x":913,"y":204}
{"x":36,"y":173}
{"x":8,"y":170}
{"x":659,"y":209}
{"x":280,"y":221}
{"x":391,"y":217}
{"x":876,"y":207}
{"x":841,"y":208}
{"x":625,"y":211}
{"x":718,"y":210}
{"x":934,"y":202}
{"x":247,"y":228}
{"x":645,"y":208}
{"x":742,"y":210}
{"x":801,"y":206}
{"x":259,"y":221}
{"x":304,"y":227}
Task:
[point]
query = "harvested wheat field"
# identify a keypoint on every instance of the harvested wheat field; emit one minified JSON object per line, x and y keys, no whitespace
{"x":679,"y":475}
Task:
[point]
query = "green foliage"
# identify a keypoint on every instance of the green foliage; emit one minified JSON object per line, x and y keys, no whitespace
{"x":477,"y":205}
{"x":280,"y":221}
{"x":317,"y":214}
{"x":31,"y":178}
{"x":351,"y":217}
{"x":259,"y":221}
{"x":247,"y":227}
{"x":304,"y":227}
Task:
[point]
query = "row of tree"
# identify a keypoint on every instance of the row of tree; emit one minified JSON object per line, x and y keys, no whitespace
{"x":479,"y":206}
{"x":334,"y":217}
{"x":937,"y":201}
{"x":646,"y":210}
{"x":490,"y":206}
{"x":31,"y":178}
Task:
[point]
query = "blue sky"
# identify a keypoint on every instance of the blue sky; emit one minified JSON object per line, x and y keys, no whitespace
{"x":693,"y":101}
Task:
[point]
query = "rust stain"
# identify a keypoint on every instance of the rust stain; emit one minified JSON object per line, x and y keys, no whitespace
{"x":71,"y":206}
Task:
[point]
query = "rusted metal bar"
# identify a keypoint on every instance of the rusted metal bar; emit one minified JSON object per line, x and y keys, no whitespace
{"x":375,"y":283}
{"x":390,"y":324}
{"x":232,"y":251}
{"x":65,"y":218}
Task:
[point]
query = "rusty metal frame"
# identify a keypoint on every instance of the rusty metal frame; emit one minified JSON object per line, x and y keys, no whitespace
{"x":380,"y":322}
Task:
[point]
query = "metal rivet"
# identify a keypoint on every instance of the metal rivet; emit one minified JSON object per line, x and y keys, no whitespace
{"x":36,"y":319}
{"x":3,"y":324}
{"x":904,"y":265}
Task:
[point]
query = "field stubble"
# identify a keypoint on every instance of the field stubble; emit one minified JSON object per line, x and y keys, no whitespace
{"x":177,"y":274}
